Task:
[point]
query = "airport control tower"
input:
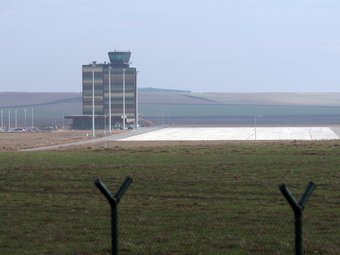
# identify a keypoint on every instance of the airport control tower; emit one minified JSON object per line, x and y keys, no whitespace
{"x":122,"y":98}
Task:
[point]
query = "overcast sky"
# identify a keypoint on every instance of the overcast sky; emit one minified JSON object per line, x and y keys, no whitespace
{"x":211,"y":45}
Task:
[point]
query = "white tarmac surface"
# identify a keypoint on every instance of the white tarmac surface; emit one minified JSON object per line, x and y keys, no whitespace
{"x":235,"y":133}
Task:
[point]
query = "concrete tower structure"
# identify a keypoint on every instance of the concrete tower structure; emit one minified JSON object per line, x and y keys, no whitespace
{"x":122,"y":98}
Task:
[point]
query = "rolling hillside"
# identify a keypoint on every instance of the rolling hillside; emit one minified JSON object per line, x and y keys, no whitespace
{"x":20,"y":99}
{"x":167,"y":106}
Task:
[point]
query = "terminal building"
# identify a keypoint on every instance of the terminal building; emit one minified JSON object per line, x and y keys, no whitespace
{"x":108,"y":85}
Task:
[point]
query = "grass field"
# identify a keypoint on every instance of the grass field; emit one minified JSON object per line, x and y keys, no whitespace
{"x":203,"y":198}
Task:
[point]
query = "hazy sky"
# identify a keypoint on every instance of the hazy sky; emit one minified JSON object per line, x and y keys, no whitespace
{"x":211,"y":45}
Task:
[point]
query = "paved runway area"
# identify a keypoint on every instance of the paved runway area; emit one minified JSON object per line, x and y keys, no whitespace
{"x":336,"y":130}
{"x":235,"y":133}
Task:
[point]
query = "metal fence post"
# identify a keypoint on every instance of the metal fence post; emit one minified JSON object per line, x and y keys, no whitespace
{"x":113,"y":201}
{"x":298,"y":209}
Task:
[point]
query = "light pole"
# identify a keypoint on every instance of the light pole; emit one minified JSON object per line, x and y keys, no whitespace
{"x":105,"y":115}
{"x":16,"y":117}
{"x":136,"y":117}
{"x":25,"y":118}
{"x":110,"y":125}
{"x":32,"y":118}
{"x":2,"y":119}
{"x":9,"y":119}
{"x":124,"y":98}
{"x":93,"y":124}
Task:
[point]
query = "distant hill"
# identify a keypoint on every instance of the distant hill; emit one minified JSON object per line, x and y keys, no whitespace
{"x":14,"y":99}
{"x":177,"y":107}
{"x":294,"y":99}
{"x":158,"y":90}
{"x":169,"y":96}
{"x":172,"y":98}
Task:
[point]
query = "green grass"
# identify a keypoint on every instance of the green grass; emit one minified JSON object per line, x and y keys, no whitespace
{"x":185,"y":199}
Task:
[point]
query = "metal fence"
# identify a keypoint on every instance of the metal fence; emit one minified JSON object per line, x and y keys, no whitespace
{"x":48,"y":220}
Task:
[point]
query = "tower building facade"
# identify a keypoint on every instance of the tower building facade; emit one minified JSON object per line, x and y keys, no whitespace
{"x":108,"y":86}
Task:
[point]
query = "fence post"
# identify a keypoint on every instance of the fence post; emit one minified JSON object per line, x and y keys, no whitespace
{"x":298,"y":209}
{"x":113,"y":201}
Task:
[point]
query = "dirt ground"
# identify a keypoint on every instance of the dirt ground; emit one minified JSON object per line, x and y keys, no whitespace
{"x":18,"y":141}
